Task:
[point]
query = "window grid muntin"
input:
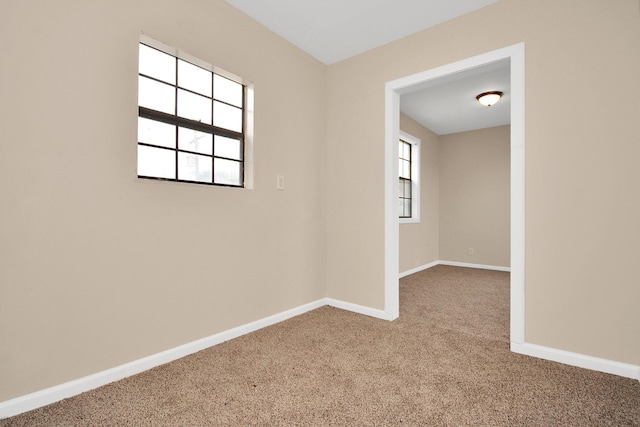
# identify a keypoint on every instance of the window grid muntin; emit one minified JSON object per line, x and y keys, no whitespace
{"x":405,"y":182}
{"x":178,"y":121}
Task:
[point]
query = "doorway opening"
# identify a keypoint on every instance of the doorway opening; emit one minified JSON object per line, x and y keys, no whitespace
{"x":393,"y":90}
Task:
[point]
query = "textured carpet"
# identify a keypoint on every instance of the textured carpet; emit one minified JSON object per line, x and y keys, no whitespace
{"x":445,"y":361}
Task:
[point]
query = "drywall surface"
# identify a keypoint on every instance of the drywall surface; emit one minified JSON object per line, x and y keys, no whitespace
{"x":474,"y":196}
{"x":99,"y":268}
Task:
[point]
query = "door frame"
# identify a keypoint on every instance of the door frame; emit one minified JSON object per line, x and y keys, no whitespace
{"x":393,"y":90}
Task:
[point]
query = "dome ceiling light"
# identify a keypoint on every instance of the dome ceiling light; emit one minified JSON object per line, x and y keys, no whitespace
{"x":489,"y":98}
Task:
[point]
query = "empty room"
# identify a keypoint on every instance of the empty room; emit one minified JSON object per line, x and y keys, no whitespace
{"x":201,"y":219}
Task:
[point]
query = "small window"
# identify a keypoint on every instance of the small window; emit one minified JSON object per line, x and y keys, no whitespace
{"x":408,"y":178}
{"x":191,"y":120}
{"x":404,"y":173}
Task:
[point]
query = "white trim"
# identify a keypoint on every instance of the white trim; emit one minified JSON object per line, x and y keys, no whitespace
{"x":453,"y":263}
{"x":360,"y":309}
{"x":416,"y":161}
{"x":393,"y":90}
{"x":18,"y":405}
{"x":577,"y":359}
{"x":561,"y":356}
{"x":517,"y":194}
{"x":418,"y":269}
{"x":469,"y":265}
{"x":56,"y":393}
{"x":391,"y":225}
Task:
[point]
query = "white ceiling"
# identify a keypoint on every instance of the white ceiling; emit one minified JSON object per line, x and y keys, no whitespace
{"x":448,"y":104}
{"x":333,"y":30}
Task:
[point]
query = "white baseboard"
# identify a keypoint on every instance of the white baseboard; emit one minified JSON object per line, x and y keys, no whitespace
{"x":360,"y":309}
{"x":418,"y":269}
{"x":56,"y":393}
{"x":455,"y":264}
{"x":577,"y":359}
{"x":547,"y":353}
{"x":468,"y":265}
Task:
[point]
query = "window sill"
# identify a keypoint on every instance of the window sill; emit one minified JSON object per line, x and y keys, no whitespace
{"x":409,"y":220}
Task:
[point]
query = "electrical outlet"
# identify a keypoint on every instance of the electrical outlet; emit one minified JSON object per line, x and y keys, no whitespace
{"x":470,"y":251}
{"x":280,"y":182}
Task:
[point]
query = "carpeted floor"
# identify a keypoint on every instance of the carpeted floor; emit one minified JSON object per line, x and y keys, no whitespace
{"x":445,"y":361}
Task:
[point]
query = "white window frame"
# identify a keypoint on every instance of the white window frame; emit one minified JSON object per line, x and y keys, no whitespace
{"x":415,"y":178}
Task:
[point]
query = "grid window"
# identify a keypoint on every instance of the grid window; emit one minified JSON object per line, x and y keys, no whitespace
{"x":404,"y":173}
{"x":190,"y":122}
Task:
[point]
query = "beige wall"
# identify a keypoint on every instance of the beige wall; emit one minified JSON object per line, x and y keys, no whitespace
{"x":98,"y":268}
{"x":474,"y":196}
{"x":581,"y":213}
{"x":419,"y":241}
{"x":464,"y":198}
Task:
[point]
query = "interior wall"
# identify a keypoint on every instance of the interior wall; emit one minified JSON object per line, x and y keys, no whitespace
{"x":581,"y":164}
{"x":99,"y":268}
{"x":475,"y":196}
{"x":419,"y":241}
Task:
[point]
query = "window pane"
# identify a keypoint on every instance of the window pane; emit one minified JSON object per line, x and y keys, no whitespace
{"x":407,"y":189}
{"x":404,"y":169}
{"x":227,"y":172}
{"x":192,"y":140}
{"x":192,"y":167}
{"x":194,"y":78}
{"x":401,"y":208}
{"x":155,"y":95}
{"x":406,"y":151}
{"x":407,"y":207}
{"x":227,"y":90}
{"x":156,"y":162}
{"x":157,"y":64}
{"x":194,"y":107}
{"x":156,"y":133}
{"x":227,"y":117}
{"x":228,"y":147}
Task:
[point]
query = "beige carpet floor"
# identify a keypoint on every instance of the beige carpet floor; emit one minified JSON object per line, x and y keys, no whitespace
{"x":445,"y":361}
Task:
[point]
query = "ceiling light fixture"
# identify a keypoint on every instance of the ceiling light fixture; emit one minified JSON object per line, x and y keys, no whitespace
{"x":489,"y":98}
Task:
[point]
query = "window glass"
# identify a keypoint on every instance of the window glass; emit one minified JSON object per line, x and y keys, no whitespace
{"x":156,"y":64}
{"x":156,"y":133}
{"x":156,"y":96}
{"x":226,"y":90}
{"x":183,"y":133}
{"x":194,"y":107}
{"x":228,"y":147}
{"x":193,"y":167}
{"x":227,"y":117}
{"x":156,"y":162}
{"x":193,"y":140}
{"x":405,"y":179}
{"x":408,"y":178}
{"x":227,"y":171}
{"x":194,"y":78}
{"x":404,"y":169}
